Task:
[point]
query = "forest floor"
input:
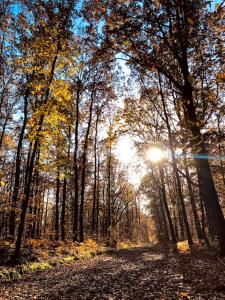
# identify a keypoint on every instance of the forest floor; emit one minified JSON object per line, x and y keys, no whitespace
{"x":140,"y":273}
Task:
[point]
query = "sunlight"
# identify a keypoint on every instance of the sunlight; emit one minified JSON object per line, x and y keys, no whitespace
{"x":155,"y":154}
{"x":179,"y":151}
{"x":125,"y":150}
{"x":126,"y":153}
{"x":135,"y":174}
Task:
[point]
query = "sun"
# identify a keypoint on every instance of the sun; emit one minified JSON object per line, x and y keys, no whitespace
{"x":155,"y":154}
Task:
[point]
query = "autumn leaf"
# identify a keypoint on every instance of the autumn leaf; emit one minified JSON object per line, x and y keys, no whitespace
{"x":191,"y":21}
{"x":183,"y":294}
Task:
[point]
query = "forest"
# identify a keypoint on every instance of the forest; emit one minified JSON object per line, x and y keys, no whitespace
{"x":112,"y":144}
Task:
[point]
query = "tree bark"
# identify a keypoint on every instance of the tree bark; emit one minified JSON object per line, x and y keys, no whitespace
{"x":76,"y":169}
{"x":57,"y":206}
{"x":63,"y":213}
{"x":94,"y":206}
{"x":213,"y":209}
{"x":108,"y":194}
{"x":97,"y":198}
{"x":163,"y":190}
{"x":174,"y":163}
{"x":164,"y":217}
{"x":24,"y":206}
{"x":12,"y":223}
{"x":192,"y":201}
{"x":83,"y":175}
{"x":220,"y":149}
{"x":30,"y":169}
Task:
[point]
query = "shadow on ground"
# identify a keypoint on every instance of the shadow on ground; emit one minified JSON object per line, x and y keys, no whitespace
{"x":140,"y":273}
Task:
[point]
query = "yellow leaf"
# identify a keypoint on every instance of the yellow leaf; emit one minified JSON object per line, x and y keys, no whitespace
{"x":184,"y":294}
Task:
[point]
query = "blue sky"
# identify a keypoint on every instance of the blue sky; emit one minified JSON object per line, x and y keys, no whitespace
{"x":17,"y":6}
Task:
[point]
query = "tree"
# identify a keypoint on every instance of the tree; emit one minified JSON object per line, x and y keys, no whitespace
{"x":165,"y":37}
{"x":54,"y":25}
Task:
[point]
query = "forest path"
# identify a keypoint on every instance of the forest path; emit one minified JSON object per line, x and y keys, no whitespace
{"x":141,"y":273}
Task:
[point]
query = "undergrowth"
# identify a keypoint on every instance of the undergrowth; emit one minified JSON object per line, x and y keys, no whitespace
{"x":39,"y":255}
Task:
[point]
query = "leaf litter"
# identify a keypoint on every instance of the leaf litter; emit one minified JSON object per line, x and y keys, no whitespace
{"x":141,"y":273}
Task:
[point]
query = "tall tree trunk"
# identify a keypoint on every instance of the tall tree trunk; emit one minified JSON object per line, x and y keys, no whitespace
{"x":213,"y":209}
{"x":30,"y":168}
{"x":181,"y":201}
{"x":25,"y":203}
{"x":104,"y":218}
{"x":63,"y":213}
{"x":57,"y":206}
{"x":83,"y":175}
{"x":204,"y":224}
{"x":175,"y":225}
{"x":64,"y":196}
{"x":46,"y":213}
{"x":94,"y":206}
{"x":97,"y":198}
{"x":39,"y":217}
{"x":192,"y":201}
{"x":108,"y":195}
{"x":159,"y":227}
{"x":76,"y":170}
{"x":163,"y":190}
{"x":35,"y":195}
{"x":163,"y":216}
{"x":220,"y":148}
{"x":12,"y":223}
{"x":176,"y":172}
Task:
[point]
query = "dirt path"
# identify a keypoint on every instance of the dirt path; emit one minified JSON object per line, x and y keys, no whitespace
{"x":146,"y":273}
